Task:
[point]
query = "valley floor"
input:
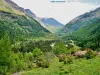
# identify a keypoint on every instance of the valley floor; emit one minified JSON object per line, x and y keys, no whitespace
{"x":79,"y":66}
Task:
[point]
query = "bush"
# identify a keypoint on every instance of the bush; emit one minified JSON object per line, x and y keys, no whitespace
{"x":45,"y":63}
{"x":39,"y":62}
{"x":37,"y":53}
{"x":42,"y":62}
{"x":62,"y":57}
{"x":90,"y":54}
{"x":69,"y":58}
{"x":3,"y":70}
{"x":28,"y":57}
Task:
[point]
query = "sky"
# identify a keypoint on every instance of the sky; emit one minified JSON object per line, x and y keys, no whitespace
{"x":61,"y":11}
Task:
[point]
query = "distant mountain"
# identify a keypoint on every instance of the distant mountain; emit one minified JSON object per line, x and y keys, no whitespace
{"x":17,"y":23}
{"x":49,"y":23}
{"x":81,"y":21}
{"x":30,"y":13}
{"x":85,"y":29}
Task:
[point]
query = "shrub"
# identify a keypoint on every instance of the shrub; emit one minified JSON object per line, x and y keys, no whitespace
{"x":69,"y":58}
{"x":28,"y":57}
{"x":45,"y":63}
{"x":90,"y":54}
{"x":42,"y":62}
{"x":39,"y":62}
{"x":37,"y":53}
{"x":62,"y":57}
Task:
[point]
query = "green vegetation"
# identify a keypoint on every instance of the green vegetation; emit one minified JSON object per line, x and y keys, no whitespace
{"x":6,"y":55}
{"x":78,"y":67}
{"x":28,"y":48}
{"x":60,"y":48}
{"x":20,"y":27}
{"x":88,"y":36}
{"x":7,"y":8}
{"x":43,"y":59}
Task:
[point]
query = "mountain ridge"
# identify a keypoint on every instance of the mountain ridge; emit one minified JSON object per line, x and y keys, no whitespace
{"x":18,"y":24}
{"x":85,"y":29}
{"x":49,"y":23}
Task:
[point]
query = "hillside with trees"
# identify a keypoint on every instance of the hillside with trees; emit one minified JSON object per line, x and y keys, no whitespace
{"x":27,"y":48}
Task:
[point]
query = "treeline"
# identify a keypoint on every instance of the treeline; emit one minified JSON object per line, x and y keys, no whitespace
{"x":27,"y":55}
{"x":22,"y":56}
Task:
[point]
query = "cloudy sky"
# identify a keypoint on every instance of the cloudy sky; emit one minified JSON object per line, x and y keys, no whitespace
{"x":61,"y":11}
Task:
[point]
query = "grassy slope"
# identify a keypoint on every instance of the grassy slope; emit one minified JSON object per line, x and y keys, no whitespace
{"x":52,"y":28}
{"x":7,"y":8}
{"x":78,"y":67}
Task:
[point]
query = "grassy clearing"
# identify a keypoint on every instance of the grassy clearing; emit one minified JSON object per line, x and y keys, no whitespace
{"x":78,"y":67}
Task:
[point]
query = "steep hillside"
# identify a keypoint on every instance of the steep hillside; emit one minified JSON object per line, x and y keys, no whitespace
{"x":49,"y":23}
{"x":85,"y":29}
{"x":17,"y":24}
{"x":30,"y":13}
{"x":81,"y":21}
{"x":4,"y":6}
{"x":14,"y":5}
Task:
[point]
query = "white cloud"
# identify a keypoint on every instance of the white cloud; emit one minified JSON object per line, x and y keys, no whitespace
{"x":63,"y":12}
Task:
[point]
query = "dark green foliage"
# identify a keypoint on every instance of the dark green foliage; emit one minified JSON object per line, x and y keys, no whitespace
{"x":28,"y":46}
{"x":20,"y":26}
{"x":7,"y":61}
{"x":87,"y":36}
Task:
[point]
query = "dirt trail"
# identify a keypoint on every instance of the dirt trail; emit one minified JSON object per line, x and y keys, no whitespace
{"x":17,"y":73}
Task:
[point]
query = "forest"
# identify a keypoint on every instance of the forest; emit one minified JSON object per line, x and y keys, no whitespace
{"x":28,"y":47}
{"x":54,"y":57}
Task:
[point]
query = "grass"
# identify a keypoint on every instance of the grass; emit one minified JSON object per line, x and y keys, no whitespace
{"x":7,"y":8}
{"x":78,"y":67}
